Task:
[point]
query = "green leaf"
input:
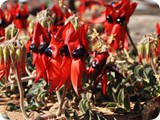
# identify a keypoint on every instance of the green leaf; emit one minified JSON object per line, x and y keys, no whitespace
{"x":111,"y":104}
{"x":81,"y":106}
{"x":146,"y":79}
{"x":67,"y":115}
{"x":120,"y":110}
{"x":148,"y":70}
{"x":84,"y":105}
{"x":120,"y":96}
{"x":88,"y":105}
{"x":127,"y":102}
{"x":32,"y":107}
{"x":41,"y":96}
{"x":114,"y":97}
{"x":138,"y":71}
{"x":137,"y":106}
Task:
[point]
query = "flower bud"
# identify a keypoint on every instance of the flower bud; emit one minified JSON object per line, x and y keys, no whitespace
{"x":6,"y":54}
{"x":12,"y":53}
{"x":45,"y":22}
{"x":24,"y":39}
{"x":1,"y":54}
{"x":140,"y":48}
{"x":147,"y":51}
{"x":23,"y":50}
{"x":10,"y":31}
{"x":18,"y":55}
{"x":14,"y":30}
{"x":74,"y":20}
{"x":31,"y":26}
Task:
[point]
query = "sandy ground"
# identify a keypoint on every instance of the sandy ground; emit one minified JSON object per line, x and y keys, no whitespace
{"x":142,"y":24}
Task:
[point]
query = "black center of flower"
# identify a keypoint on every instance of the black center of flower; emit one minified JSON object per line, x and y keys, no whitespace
{"x":49,"y":33}
{"x":112,"y":3}
{"x":94,"y":64}
{"x":34,"y":48}
{"x":98,"y":65}
{"x":48,"y":52}
{"x":120,"y":20}
{"x":158,"y":36}
{"x":42,"y":47}
{"x":18,"y":16}
{"x":2,"y":23}
{"x":109,"y":19}
{"x":25,"y":16}
{"x":64,"y":51}
{"x":79,"y":52}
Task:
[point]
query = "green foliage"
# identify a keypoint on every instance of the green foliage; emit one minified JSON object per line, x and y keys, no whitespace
{"x":36,"y":95}
{"x":84,"y":105}
{"x":130,"y":82}
{"x":88,"y":115}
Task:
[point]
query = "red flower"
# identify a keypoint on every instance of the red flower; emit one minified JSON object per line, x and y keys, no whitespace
{"x":38,"y":43}
{"x":8,"y":16}
{"x":2,"y":33}
{"x":59,"y":15}
{"x":117,"y":17}
{"x":20,"y":15}
{"x":45,"y":56}
{"x":2,"y":70}
{"x":78,"y":48}
{"x":2,"y":24}
{"x":158,"y":33}
{"x":97,"y":70}
{"x":62,"y":58}
{"x":73,"y":50}
{"x":84,"y":4}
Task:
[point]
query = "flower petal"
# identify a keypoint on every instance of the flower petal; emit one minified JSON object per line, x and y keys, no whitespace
{"x":76,"y":74}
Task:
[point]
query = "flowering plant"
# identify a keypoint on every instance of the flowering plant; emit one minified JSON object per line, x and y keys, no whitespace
{"x":60,"y":53}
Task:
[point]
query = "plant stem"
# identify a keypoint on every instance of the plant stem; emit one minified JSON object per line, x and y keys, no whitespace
{"x":59,"y":111}
{"x":24,"y":79}
{"x":130,"y":38}
{"x":29,"y":73}
{"x":47,"y":116}
{"x":20,"y":87}
{"x":58,"y":96}
{"x":153,"y":67}
{"x":27,"y":70}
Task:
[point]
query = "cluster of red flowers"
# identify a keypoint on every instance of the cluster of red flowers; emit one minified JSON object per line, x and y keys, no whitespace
{"x":17,"y":14}
{"x":60,"y":50}
{"x":61,"y":57}
{"x":115,"y":18}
